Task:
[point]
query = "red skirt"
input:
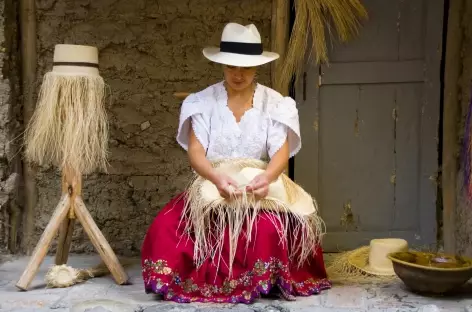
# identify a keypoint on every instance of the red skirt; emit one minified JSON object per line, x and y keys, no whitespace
{"x":258,"y":269}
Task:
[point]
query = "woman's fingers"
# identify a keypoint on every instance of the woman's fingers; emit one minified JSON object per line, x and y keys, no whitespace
{"x":255,"y":185}
{"x":233,"y":190}
{"x":261,"y":192}
{"x":232,"y":182}
{"x":229,"y":190}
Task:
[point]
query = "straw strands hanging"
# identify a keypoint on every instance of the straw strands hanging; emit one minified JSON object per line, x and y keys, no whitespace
{"x":317,"y":19}
{"x":206,"y":216}
{"x":69,"y":126}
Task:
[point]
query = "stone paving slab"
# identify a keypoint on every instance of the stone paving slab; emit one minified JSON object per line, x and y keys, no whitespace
{"x":103,"y":295}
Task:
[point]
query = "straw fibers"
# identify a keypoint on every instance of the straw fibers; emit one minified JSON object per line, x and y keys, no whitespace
{"x":69,"y":126}
{"x":207,"y":219}
{"x":318,"y":19}
{"x":61,"y":276}
{"x":341,"y":271}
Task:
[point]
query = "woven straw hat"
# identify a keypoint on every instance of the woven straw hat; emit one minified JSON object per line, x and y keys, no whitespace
{"x":296,"y":200}
{"x":72,"y":59}
{"x":287,"y":205}
{"x":375,"y":261}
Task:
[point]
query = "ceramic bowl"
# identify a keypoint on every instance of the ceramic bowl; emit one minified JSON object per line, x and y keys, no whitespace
{"x":433,"y":273}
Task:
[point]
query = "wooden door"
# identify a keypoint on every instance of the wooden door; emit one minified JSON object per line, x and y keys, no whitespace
{"x":369,"y":124}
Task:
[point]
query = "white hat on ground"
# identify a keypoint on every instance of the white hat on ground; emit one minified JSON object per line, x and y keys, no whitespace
{"x":376,"y":262}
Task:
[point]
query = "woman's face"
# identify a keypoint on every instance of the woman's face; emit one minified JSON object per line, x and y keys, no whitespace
{"x":239,"y":78}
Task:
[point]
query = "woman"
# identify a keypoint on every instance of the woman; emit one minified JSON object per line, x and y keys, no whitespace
{"x":237,"y":118}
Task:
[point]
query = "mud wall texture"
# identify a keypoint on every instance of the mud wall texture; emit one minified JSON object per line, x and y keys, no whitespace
{"x":464,"y":208}
{"x":148,"y":50}
{"x":10,"y":126}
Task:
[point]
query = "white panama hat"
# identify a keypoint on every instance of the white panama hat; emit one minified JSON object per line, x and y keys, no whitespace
{"x":240,"y":46}
{"x":72,"y":59}
{"x":376,"y":262}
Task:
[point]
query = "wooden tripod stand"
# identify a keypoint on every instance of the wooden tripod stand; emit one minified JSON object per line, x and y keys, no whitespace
{"x":71,"y":206}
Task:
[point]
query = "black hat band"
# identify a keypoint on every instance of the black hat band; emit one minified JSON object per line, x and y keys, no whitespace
{"x":241,"y":48}
{"x":80,"y":64}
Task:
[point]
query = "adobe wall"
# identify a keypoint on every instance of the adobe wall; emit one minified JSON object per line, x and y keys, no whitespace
{"x":148,"y":50}
{"x":10,"y":125}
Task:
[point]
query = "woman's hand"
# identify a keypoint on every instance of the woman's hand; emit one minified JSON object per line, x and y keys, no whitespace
{"x":226,"y":186}
{"x":259,"y":186}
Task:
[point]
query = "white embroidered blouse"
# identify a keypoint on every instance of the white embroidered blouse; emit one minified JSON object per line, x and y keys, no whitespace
{"x":260,"y":133}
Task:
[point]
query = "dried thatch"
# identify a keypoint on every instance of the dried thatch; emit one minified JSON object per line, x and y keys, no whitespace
{"x":69,"y":127}
{"x":317,"y":18}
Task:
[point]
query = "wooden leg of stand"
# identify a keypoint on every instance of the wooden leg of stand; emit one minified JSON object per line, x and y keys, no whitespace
{"x":100,"y":243}
{"x":43,"y":245}
{"x":72,"y":186}
{"x":64,"y":241}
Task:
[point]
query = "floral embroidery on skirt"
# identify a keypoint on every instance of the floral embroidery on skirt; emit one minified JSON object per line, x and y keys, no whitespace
{"x":168,"y":268}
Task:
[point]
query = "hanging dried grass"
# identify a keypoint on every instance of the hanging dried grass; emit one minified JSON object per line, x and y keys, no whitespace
{"x":69,"y":126}
{"x":316,"y":18}
{"x":207,"y":220}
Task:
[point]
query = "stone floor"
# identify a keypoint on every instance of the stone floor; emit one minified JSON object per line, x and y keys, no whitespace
{"x":103,"y":295}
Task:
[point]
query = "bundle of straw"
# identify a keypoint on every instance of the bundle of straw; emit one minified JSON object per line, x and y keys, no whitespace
{"x":61,"y":276}
{"x":69,"y":126}
{"x":207,"y":217}
{"x":318,"y":17}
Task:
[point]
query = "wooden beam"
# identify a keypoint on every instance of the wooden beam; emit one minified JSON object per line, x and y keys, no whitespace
{"x":280,"y":33}
{"x":71,"y":185}
{"x":181,"y":95}
{"x":28,"y":76}
{"x":100,"y":243}
{"x":59,"y":215}
{"x":451,"y":118}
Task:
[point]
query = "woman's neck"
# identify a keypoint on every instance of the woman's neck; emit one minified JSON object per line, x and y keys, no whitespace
{"x":244,"y":93}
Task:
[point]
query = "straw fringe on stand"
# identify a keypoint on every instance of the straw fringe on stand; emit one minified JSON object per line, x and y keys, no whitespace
{"x":207,"y":218}
{"x":69,"y":125}
{"x":317,"y":18}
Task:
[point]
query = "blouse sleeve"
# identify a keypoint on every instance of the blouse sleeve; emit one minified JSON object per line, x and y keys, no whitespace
{"x":277,"y":135}
{"x":194,"y":113}
{"x":284,"y":125}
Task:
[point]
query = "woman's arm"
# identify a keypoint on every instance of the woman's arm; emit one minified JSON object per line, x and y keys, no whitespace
{"x":199,"y":162}
{"x":278,"y":163}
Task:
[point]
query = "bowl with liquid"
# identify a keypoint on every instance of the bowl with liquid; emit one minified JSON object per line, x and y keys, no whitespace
{"x":434,"y":273}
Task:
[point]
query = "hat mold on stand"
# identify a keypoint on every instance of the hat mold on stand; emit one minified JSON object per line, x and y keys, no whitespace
{"x":69,"y":127}
{"x":75,"y":60}
{"x":69,"y":130}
